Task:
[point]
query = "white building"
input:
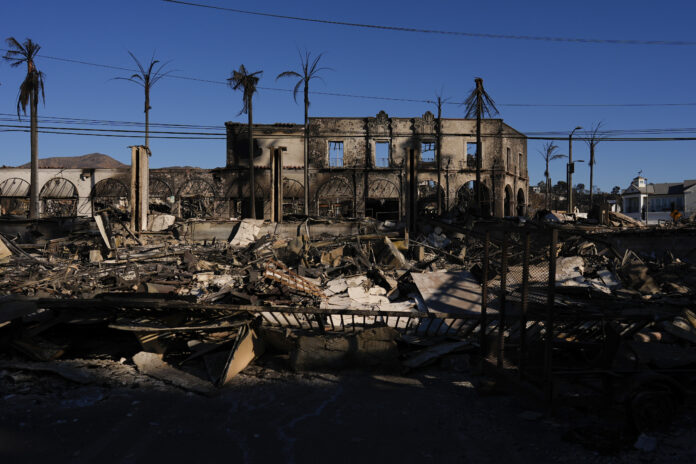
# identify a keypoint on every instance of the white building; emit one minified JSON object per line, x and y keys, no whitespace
{"x":656,"y":201}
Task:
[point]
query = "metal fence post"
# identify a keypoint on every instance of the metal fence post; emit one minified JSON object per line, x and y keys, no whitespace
{"x":503,"y":301}
{"x":484,"y":297}
{"x":525,"y":304}
{"x":549,"y":315}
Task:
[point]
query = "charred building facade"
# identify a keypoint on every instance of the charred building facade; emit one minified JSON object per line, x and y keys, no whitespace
{"x":379,"y":167}
{"x":364,"y":166}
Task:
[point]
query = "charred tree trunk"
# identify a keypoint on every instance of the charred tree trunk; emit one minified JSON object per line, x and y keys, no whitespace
{"x":306,"y":148}
{"x":546,"y":175}
{"x":439,"y":158}
{"x":252,"y":180}
{"x":147,"y":116}
{"x":479,"y":150}
{"x":591,"y":175}
{"x":34,"y":188}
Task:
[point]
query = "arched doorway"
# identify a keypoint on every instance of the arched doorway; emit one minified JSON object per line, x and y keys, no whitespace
{"x":335,"y":198}
{"x":428,"y":190}
{"x":521,"y":205}
{"x":197,"y":199}
{"x":466,"y":198}
{"x":240,"y":200}
{"x":383,"y":200}
{"x":58,"y":198}
{"x":508,"y":205}
{"x":111,"y":194}
{"x":161,"y":197}
{"x":14,"y":197}
{"x":293,"y":196}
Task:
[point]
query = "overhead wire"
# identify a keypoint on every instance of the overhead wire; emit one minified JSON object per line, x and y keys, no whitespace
{"x":482,"y":35}
{"x":382,"y":98}
{"x":222,"y":136}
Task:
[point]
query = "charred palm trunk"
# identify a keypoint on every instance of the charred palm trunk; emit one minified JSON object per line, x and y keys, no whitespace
{"x":546,"y":175}
{"x":147,"y":115}
{"x":306,"y":148}
{"x":439,"y":158}
{"x":591,"y":175}
{"x":252,"y":180}
{"x":34,"y":188}
{"x":479,"y":150}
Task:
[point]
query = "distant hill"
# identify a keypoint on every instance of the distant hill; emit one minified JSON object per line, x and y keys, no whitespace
{"x":91,"y":161}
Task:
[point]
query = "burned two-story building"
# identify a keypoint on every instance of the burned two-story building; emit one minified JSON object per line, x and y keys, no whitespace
{"x":362,"y":166}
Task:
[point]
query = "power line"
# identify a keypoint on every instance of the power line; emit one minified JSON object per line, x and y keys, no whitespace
{"x":201,"y":136}
{"x":440,"y":32}
{"x":8,"y":117}
{"x":118,"y":130}
{"x":381,"y":98}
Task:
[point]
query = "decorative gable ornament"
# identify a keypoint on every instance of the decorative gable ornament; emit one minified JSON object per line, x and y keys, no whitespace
{"x":425,"y":124}
{"x":379,"y":125}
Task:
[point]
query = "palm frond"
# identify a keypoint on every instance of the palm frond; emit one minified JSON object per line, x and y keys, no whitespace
{"x":147,"y":77}
{"x":288,"y":74}
{"x":309,"y":70}
{"x":548,"y":150}
{"x":247,"y":82}
{"x":34,"y":80}
{"x":479,"y":104}
{"x":595,"y":134}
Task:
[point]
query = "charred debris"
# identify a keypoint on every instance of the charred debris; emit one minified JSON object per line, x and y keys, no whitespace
{"x":582,"y":314}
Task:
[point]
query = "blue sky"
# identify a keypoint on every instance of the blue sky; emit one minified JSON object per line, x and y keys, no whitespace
{"x":209,"y":44}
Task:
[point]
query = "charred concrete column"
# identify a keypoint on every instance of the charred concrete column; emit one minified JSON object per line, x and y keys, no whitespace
{"x":412,"y":190}
{"x":276,"y":183}
{"x":140,"y":186}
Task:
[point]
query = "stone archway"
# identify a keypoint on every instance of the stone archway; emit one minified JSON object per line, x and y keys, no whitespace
{"x":110,"y":194}
{"x":466,"y":198}
{"x":293,"y":196}
{"x":161,"y":196}
{"x":335,"y":198}
{"x":14,"y":197}
{"x":383,"y":200}
{"x":58,"y":198}
{"x":196,"y":199}
{"x":428,"y":191}
{"x":240,"y":200}
{"x":509,"y":203}
{"x":521,"y":204}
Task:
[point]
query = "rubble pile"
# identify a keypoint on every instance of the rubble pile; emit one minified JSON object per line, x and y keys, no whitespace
{"x":188,"y":303}
{"x":194,"y":314}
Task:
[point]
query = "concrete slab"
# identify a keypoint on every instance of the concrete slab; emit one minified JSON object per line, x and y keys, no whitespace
{"x":449,"y":292}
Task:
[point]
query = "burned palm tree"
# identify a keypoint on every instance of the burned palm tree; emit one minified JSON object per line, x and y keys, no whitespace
{"x":309,"y":69}
{"x":548,"y":152}
{"x":146,"y":78}
{"x":593,"y":137}
{"x":247,"y":82}
{"x":33,"y":84}
{"x":479,"y":104}
{"x":439,"y":101}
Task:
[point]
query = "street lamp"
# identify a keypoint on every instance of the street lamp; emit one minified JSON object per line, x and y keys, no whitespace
{"x":570,"y":169}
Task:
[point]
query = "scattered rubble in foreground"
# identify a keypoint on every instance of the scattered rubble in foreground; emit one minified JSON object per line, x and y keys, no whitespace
{"x":192,"y":311}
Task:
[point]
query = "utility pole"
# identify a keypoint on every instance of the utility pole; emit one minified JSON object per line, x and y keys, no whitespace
{"x":571,"y":169}
{"x":439,"y":158}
